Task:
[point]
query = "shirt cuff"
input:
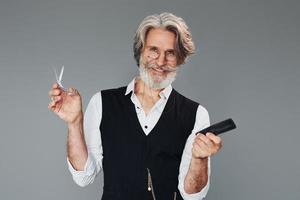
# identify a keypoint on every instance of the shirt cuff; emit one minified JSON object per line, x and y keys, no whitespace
{"x":199,"y":195}
{"x":196,"y":196}
{"x":89,"y":168}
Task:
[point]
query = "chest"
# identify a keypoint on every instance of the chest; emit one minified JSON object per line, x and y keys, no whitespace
{"x":147,"y":102}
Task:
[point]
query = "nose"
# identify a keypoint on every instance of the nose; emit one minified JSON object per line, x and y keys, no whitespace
{"x":161,"y":60}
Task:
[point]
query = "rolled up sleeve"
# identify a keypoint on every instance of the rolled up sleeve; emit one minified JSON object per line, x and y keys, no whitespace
{"x":93,"y":165}
{"x":201,"y":122}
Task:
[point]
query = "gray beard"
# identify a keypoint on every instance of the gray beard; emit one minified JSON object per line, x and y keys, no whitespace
{"x":151,"y":82}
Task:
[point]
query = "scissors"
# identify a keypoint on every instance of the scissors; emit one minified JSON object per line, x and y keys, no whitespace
{"x":59,"y":78}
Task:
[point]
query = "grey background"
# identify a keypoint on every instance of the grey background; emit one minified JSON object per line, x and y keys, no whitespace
{"x":246,"y":67}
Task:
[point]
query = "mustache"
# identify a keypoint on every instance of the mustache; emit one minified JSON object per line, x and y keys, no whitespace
{"x":164,"y":67}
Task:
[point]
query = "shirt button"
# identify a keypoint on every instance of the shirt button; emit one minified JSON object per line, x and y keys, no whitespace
{"x":146,"y":127}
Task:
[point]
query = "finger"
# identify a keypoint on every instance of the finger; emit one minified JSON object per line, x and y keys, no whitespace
{"x":200,"y":150}
{"x":54,"y":92}
{"x":55,"y":85}
{"x":206,"y":140}
{"x":201,"y":144}
{"x":51,"y":105}
{"x":56,"y":98}
{"x":214,"y":138}
{"x":52,"y":108}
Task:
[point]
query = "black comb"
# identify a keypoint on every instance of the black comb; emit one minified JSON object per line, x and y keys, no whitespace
{"x":218,"y":128}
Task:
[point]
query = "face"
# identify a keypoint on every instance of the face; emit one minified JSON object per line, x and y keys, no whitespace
{"x":158,"y":62}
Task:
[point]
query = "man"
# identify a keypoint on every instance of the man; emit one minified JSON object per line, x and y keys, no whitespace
{"x":143,"y":136}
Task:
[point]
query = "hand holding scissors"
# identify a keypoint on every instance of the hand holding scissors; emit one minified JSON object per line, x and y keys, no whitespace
{"x":66,"y":103}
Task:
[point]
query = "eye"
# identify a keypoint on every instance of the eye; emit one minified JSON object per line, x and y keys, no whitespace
{"x":153,"y":49}
{"x":170,"y":53}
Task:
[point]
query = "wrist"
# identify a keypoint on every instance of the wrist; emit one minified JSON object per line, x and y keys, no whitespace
{"x":77,"y":122}
{"x":197,"y":164}
{"x":199,"y":160}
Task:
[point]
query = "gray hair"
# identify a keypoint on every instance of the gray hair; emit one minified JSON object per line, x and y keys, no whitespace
{"x":184,"y":44}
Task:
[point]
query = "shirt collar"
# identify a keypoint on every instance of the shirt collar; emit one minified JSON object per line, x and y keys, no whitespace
{"x":165,"y":93}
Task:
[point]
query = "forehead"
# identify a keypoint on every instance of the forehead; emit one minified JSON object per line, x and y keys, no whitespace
{"x":161,"y":38}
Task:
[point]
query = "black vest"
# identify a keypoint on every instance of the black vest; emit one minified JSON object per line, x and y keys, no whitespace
{"x":128,"y":152}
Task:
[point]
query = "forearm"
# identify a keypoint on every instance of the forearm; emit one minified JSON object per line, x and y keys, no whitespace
{"x":197,"y":175}
{"x":76,"y":146}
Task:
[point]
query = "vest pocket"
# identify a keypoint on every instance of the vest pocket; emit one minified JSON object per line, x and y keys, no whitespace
{"x":150,"y":185}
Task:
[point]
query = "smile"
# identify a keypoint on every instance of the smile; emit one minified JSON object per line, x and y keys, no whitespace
{"x":158,"y":70}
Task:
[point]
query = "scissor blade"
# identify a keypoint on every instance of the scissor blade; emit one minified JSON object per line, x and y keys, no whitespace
{"x":58,"y":79}
{"x":61,"y":73}
{"x":55,"y":73}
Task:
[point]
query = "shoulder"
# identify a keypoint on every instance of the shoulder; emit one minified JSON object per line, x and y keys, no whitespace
{"x":114,"y":91}
{"x":184,"y":100}
{"x":201,"y":110}
{"x":97,"y":97}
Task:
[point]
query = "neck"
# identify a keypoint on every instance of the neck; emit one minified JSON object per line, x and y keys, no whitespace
{"x":142,"y":88}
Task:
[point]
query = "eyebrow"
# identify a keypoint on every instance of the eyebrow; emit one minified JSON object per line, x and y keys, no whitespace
{"x":151,"y":46}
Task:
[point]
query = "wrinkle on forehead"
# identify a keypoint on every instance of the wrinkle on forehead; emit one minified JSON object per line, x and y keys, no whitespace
{"x":161,"y":38}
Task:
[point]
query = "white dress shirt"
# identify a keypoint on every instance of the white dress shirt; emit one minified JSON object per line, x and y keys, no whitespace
{"x":92,"y":119}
